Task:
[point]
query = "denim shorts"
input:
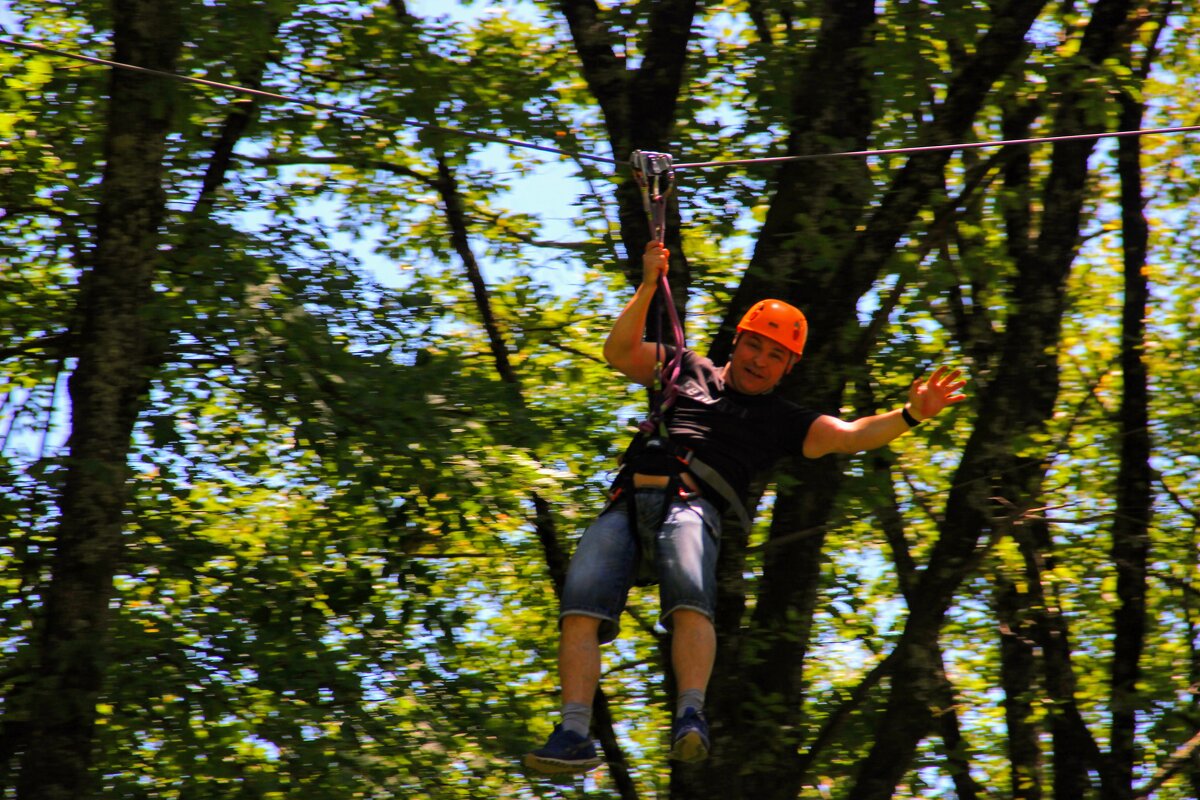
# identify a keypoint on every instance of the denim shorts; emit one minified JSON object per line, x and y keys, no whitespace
{"x":605,"y":562}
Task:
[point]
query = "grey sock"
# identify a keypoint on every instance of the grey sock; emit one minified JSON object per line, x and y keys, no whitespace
{"x":576,"y":717}
{"x":689,"y":698}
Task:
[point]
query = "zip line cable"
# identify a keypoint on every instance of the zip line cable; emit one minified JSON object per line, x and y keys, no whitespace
{"x":518,"y":143}
{"x":933,"y":148}
{"x":406,"y":122}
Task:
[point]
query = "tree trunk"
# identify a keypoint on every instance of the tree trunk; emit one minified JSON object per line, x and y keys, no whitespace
{"x":1018,"y":669}
{"x":1131,"y":526}
{"x":107,"y":389}
{"x":758,"y":679}
{"x":1020,"y":400}
{"x":827,"y":285}
{"x":639,"y":112}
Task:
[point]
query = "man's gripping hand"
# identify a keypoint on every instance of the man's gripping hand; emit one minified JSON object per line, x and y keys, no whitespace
{"x":654,"y":263}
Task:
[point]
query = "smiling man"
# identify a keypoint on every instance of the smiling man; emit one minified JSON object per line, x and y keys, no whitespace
{"x":663,"y":522}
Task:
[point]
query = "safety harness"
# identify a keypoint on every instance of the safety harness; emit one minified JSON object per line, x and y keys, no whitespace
{"x":652,"y":452}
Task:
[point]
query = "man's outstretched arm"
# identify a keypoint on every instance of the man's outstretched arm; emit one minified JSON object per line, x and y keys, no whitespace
{"x":925,"y":399}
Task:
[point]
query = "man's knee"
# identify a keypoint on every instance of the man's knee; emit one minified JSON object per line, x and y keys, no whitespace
{"x":689,"y":618}
{"x":579,"y":625}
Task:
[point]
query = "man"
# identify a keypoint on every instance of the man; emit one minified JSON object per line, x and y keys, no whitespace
{"x":724,"y":426}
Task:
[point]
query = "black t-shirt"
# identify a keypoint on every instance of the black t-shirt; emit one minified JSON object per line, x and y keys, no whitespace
{"x":738,"y":435}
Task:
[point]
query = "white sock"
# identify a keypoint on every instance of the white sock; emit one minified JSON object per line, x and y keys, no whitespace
{"x":577,"y":717}
{"x":689,"y":698}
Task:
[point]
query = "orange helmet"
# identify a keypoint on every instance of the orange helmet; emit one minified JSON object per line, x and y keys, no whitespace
{"x":779,"y":322}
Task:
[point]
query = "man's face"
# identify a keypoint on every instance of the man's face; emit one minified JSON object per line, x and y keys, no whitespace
{"x":757,"y":364}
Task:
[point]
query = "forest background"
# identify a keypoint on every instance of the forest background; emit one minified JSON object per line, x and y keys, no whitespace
{"x":301,"y":416}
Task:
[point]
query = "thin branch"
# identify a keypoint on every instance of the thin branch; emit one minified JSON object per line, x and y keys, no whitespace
{"x":1192,"y":512}
{"x":499,"y":220}
{"x":1178,"y":760}
{"x":838,"y":717}
{"x":576,"y":352}
{"x":53,"y":347}
{"x":340,"y":161}
{"x":447,"y":188}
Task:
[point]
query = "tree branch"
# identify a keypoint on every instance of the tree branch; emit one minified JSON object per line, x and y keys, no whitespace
{"x":452,"y":205}
{"x":358,"y":163}
{"x":1178,"y":760}
{"x":54,"y":347}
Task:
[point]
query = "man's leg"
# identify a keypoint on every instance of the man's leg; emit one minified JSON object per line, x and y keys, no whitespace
{"x":693,"y":649}
{"x":570,"y":750}
{"x":688,"y":546}
{"x":579,"y":658}
{"x":597,"y":584}
{"x":578,"y":670}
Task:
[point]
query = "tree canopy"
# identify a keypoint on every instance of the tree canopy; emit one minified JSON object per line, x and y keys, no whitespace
{"x":303,"y":409}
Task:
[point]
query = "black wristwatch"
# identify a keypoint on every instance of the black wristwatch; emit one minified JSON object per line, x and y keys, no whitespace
{"x":909,"y":418}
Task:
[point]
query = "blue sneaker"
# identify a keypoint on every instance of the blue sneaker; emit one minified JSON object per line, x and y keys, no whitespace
{"x":689,"y":737}
{"x":565,"y":753}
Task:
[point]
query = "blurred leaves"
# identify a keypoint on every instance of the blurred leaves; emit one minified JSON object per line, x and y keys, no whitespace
{"x":331,"y":586}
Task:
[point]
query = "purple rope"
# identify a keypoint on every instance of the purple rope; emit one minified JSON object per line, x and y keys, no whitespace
{"x":649,"y":170}
{"x":671,"y":371}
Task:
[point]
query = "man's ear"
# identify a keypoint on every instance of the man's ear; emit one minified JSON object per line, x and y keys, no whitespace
{"x":792,"y":359}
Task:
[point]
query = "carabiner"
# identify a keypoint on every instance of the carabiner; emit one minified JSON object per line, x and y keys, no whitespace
{"x":656,"y":179}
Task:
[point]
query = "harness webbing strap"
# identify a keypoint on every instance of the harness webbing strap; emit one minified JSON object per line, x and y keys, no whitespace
{"x":674,"y":459}
{"x":712,"y":478}
{"x":647,"y":537}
